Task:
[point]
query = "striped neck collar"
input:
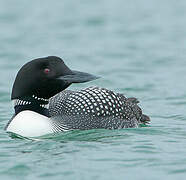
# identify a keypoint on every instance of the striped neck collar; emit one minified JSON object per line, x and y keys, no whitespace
{"x":33,"y":103}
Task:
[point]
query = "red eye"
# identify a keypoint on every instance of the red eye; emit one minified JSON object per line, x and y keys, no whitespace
{"x":46,"y":70}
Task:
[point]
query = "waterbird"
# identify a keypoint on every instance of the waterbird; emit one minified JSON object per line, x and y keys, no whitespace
{"x":43,"y":105}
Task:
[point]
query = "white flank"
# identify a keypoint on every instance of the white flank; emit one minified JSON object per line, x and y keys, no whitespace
{"x":30,"y":124}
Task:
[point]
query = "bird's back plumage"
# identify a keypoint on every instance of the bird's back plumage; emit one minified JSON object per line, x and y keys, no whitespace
{"x":94,"y":107}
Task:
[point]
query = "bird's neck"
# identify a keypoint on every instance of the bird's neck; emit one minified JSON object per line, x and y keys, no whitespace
{"x":33,"y":103}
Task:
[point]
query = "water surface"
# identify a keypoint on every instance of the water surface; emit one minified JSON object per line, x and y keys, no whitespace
{"x":138,"y":48}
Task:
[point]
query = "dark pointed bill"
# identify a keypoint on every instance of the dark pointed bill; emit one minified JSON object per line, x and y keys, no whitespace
{"x":78,"y":77}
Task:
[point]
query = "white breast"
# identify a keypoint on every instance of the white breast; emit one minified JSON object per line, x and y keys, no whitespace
{"x":30,"y":124}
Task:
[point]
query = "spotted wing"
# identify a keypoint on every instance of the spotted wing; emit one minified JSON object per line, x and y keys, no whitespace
{"x":94,"y":107}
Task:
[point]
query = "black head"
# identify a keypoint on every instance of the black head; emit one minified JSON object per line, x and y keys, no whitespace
{"x":45,"y":77}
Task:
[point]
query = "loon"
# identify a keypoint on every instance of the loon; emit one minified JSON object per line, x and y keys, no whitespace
{"x":44,"y":106}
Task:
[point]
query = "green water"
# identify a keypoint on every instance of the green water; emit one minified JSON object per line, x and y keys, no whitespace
{"x":138,"y":48}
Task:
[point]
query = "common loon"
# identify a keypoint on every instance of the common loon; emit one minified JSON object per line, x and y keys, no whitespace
{"x":43,"y":106}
